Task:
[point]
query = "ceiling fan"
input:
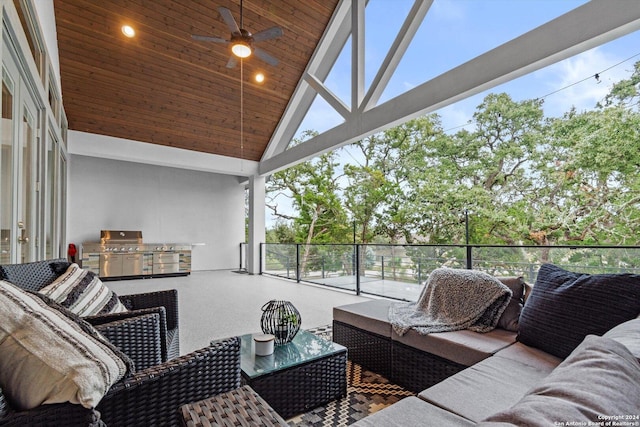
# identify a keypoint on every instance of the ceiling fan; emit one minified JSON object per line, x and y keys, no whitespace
{"x":241,"y":40}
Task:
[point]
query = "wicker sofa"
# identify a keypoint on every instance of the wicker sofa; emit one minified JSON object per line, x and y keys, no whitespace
{"x":148,"y":333}
{"x":150,"y":395}
{"x":573,"y":358}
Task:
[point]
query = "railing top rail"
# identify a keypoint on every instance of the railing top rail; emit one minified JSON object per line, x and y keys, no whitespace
{"x":462,"y":245}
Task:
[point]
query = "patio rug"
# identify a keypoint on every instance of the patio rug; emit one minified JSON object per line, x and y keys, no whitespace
{"x":367,"y":392}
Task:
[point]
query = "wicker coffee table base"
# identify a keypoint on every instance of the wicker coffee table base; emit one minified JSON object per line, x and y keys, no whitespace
{"x":296,"y":390}
{"x":239,"y":407}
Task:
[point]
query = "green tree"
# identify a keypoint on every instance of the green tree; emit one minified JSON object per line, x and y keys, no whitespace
{"x":482,"y":172}
{"x":376,"y":194}
{"x":313,"y":190}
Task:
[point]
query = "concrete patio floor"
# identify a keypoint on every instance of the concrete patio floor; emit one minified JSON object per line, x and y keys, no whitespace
{"x":222,"y":303}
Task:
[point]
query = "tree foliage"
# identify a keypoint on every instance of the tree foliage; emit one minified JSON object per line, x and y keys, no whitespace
{"x":517,"y":176}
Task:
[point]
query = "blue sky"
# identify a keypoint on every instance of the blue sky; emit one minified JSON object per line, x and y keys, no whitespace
{"x":455,"y":31}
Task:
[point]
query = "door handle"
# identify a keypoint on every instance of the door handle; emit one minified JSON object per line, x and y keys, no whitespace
{"x":22,"y":238}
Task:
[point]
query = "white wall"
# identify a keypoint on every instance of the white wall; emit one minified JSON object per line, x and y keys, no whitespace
{"x":168,"y":204}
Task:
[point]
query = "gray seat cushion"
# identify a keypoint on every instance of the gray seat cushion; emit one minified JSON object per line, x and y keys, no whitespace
{"x":412,"y":411}
{"x":530,"y":356}
{"x":489,"y":386}
{"x":371,"y":316}
{"x":628,"y":334}
{"x":598,"y":382}
{"x":464,"y":347}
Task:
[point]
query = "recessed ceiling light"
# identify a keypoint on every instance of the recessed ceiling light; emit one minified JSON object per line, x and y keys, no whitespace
{"x":128,"y":31}
{"x":259,"y":77}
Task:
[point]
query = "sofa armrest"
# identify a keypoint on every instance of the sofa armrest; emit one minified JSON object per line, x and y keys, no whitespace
{"x":130,"y":316}
{"x":152,"y":396}
{"x":31,"y":276}
{"x":167,"y":299}
{"x":137,"y":337}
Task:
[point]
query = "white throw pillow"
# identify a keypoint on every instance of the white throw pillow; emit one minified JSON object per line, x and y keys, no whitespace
{"x":46,"y":357}
{"x":82,"y":292}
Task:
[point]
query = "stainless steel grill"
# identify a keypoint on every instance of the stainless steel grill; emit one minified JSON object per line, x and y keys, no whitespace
{"x":122,"y":253}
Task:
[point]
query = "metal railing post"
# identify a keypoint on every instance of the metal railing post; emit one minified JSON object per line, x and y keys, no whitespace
{"x":382,"y":258}
{"x":261,"y":246}
{"x":298,"y":263}
{"x":323,"y":267}
{"x":469,"y":257}
{"x":357,"y":269}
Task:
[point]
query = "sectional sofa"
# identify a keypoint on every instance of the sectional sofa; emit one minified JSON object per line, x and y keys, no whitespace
{"x":564,"y":353}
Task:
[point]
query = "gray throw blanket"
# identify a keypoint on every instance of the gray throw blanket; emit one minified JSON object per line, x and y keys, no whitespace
{"x":452,"y":300}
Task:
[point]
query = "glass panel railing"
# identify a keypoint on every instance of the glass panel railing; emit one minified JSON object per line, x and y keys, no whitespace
{"x":280,"y":260}
{"x":400,"y":271}
{"x":329,"y":265}
{"x":526,"y":260}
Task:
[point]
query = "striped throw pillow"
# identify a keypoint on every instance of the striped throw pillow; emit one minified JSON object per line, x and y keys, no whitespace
{"x":83,"y":293}
{"x":48,"y":357}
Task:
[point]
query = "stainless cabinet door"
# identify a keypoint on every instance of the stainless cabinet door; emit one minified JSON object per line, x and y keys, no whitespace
{"x":132,"y":264}
{"x":111,"y":265}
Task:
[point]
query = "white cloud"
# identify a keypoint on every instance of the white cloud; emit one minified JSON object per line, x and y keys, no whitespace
{"x":574,"y":80}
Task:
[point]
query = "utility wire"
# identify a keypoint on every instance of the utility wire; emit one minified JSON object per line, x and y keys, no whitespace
{"x":596,"y":76}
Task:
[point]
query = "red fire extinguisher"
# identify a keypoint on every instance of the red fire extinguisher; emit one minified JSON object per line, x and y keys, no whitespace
{"x":71,"y":252}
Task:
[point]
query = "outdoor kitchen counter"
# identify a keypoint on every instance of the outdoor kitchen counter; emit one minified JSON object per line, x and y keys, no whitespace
{"x":137,"y":261}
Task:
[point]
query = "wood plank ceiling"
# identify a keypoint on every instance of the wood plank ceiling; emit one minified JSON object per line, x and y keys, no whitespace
{"x":164,"y":88}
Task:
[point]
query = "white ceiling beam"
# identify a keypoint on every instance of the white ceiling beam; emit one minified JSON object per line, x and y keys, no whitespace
{"x":321,"y":63}
{"x":357,"y":53}
{"x":585,"y":27}
{"x":328,"y":96}
{"x":396,"y":51}
{"x":109,"y":147}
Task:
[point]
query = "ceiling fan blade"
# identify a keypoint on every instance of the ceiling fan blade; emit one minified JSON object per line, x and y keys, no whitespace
{"x":265,"y":56}
{"x":209,"y":39}
{"x":232,"y":62}
{"x":227,"y":17}
{"x":270,"y":33}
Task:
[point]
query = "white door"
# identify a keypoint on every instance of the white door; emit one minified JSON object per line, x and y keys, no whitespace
{"x":18,"y":166}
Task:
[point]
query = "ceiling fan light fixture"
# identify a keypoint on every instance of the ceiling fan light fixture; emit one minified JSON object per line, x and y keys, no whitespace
{"x":241,"y":49}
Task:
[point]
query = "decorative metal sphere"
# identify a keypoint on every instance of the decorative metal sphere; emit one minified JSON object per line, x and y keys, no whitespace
{"x":280,"y":319}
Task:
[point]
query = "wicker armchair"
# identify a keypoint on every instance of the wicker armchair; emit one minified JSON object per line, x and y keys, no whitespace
{"x":148,"y":398}
{"x":145,"y":340}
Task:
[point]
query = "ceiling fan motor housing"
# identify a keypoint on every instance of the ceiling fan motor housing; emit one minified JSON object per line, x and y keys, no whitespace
{"x":243,"y":35}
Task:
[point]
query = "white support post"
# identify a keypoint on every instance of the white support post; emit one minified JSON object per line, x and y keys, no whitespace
{"x":257,"y":233}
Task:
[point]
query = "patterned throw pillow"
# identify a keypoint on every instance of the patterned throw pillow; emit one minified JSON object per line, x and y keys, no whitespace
{"x":564,"y":307}
{"x":83,"y":293}
{"x":48,"y":357}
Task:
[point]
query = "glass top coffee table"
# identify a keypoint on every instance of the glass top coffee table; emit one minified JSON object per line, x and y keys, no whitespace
{"x":299,"y":376}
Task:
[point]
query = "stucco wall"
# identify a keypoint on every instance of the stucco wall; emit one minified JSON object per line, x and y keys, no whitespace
{"x":168,"y":204}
